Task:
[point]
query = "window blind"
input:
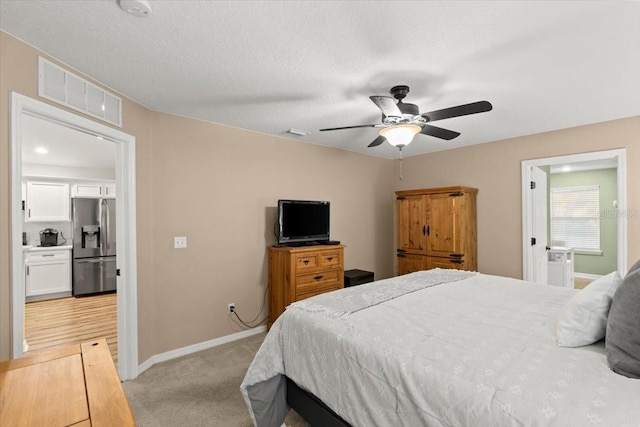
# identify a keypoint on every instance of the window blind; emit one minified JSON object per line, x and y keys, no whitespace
{"x":575,"y":217}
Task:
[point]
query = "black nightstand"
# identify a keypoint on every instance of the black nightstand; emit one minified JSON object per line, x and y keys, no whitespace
{"x":357,"y":277}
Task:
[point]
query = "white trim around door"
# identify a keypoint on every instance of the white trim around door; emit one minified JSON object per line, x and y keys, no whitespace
{"x":125,"y":227}
{"x":527,"y":203}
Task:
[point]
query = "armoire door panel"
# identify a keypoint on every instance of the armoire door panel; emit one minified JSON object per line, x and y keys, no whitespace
{"x":443,"y":224}
{"x":412,"y":231}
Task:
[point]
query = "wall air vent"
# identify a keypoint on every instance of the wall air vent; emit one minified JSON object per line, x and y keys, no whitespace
{"x":59,"y":85}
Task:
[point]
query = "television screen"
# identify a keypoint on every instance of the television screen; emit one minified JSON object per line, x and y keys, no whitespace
{"x":302,"y":221}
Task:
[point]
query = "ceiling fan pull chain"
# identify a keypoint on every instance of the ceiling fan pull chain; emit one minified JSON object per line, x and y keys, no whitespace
{"x":401,"y":177}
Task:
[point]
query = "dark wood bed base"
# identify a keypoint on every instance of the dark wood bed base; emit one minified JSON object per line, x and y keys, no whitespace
{"x":312,"y":409}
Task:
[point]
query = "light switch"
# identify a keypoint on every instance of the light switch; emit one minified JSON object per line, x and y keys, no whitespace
{"x":180,"y":242}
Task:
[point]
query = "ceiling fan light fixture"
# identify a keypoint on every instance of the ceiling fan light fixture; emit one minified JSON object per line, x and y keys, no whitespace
{"x":400,"y":135}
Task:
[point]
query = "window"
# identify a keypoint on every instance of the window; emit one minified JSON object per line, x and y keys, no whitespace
{"x":575,"y":217}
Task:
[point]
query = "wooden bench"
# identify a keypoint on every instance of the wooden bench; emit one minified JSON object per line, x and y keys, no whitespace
{"x":72,"y":385}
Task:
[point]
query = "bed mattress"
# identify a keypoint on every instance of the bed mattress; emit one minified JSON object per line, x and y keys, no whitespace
{"x":438,"y":348}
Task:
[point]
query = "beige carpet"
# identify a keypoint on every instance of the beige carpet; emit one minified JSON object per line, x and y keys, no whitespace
{"x":201,"y":389}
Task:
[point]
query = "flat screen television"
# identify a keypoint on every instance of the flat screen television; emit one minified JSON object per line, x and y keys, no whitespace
{"x":303,"y":221}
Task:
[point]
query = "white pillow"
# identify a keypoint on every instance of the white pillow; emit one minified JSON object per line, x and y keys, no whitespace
{"x":583,"y":319}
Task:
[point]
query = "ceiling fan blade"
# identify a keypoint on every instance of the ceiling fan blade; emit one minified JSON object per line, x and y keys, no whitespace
{"x":387,"y":105}
{"x":379,"y":140}
{"x":460,"y":110}
{"x":439,"y":132}
{"x":350,"y":127}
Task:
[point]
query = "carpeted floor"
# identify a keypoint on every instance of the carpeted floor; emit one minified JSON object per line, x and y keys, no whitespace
{"x":201,"y":389}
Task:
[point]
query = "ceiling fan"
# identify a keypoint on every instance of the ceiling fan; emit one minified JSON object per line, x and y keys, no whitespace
{"x":402,"y":121}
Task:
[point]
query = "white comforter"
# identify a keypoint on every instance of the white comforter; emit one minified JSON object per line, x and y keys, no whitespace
{"x":460,"y":349}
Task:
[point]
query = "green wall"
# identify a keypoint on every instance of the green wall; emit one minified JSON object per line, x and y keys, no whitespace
{"x":607,"y":180}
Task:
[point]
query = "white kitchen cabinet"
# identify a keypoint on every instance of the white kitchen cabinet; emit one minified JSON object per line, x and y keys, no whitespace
{"x":47,"y":201}
{"x":47,"y":272}
{"x":94,"y":189}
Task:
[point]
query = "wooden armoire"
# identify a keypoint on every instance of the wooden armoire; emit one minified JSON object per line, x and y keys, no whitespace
{"x":437,"y":229}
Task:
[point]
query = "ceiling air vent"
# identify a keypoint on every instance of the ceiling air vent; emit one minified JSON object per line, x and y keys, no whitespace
{"x":61,"y":86}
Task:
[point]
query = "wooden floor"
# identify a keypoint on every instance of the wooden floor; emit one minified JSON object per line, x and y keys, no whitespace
{"x":581,"y":282}
{"x":72,"y":320}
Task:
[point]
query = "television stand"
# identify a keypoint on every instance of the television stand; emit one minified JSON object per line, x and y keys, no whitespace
{"x":302,"y":272}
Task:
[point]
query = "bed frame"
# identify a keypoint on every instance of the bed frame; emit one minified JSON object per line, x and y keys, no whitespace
{"x":312,"y":409}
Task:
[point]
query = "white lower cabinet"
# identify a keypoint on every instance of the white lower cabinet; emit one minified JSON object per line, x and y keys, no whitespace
{"x":47,"y":272}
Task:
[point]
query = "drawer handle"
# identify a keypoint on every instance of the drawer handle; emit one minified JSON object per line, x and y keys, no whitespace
{"x":330,"y":259}
{"x":305,"y":262}
{"x":318,"y":278}
{"x":48,"y":254}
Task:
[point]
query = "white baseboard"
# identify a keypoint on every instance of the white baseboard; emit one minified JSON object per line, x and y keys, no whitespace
{"x":172,"y":354}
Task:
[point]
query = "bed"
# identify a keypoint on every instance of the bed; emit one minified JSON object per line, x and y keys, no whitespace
{"x":437,"y":348}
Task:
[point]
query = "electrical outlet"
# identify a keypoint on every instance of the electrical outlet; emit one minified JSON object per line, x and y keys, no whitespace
{"x":180,"y":242}
{"x":231,"y":308}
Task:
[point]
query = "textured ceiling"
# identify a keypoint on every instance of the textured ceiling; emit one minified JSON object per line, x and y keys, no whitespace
{"x":269,"y":66}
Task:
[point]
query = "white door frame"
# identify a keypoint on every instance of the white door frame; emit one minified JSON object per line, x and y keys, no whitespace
{"x":620,"y":155}
{"x":127,"y":310}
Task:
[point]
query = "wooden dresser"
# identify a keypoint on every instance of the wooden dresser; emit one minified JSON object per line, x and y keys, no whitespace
{"x":72,"y":385}
{"x":296,"y":273}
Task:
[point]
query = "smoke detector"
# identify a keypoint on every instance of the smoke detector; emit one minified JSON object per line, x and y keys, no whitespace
{"x":139,"y":8}
{"x":298,"y":132}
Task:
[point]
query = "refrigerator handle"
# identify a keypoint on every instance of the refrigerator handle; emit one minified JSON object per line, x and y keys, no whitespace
{"x":104,"y":225}
{"x":91,"y":261}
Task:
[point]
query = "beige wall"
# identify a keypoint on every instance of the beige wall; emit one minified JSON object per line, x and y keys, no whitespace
{"x":495,"y":169}
{"x":222,"y":192}
{"x":219,"y":187}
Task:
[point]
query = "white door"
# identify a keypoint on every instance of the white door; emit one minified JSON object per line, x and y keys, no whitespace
{"x":539,"y":225}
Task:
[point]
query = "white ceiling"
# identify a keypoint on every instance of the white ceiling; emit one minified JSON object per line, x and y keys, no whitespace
{"x":611,"y":163}
{"x":64,"y":146}
{"x":269,"y":66}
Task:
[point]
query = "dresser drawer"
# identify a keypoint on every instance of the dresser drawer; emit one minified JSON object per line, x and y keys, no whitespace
{"x":319,"y":279}
{"x":305,"y":261}
{"x":330,"y":259}
{"x":316,"y":291}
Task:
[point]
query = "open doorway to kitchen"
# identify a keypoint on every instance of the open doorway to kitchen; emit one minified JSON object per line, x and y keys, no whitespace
{"x":108,"y":155}
{"x":585,"y":223}
{"x":70,"y":251}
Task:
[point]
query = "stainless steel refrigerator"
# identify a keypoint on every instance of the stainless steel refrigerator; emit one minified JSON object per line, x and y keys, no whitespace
{"x":94,"y":245}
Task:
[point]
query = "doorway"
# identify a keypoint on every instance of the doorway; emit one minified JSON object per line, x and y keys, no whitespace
{"x":606,"y":159}
{"x":24,"y":108}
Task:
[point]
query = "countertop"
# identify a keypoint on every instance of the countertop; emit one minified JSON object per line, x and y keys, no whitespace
{"x":31,"y":248}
